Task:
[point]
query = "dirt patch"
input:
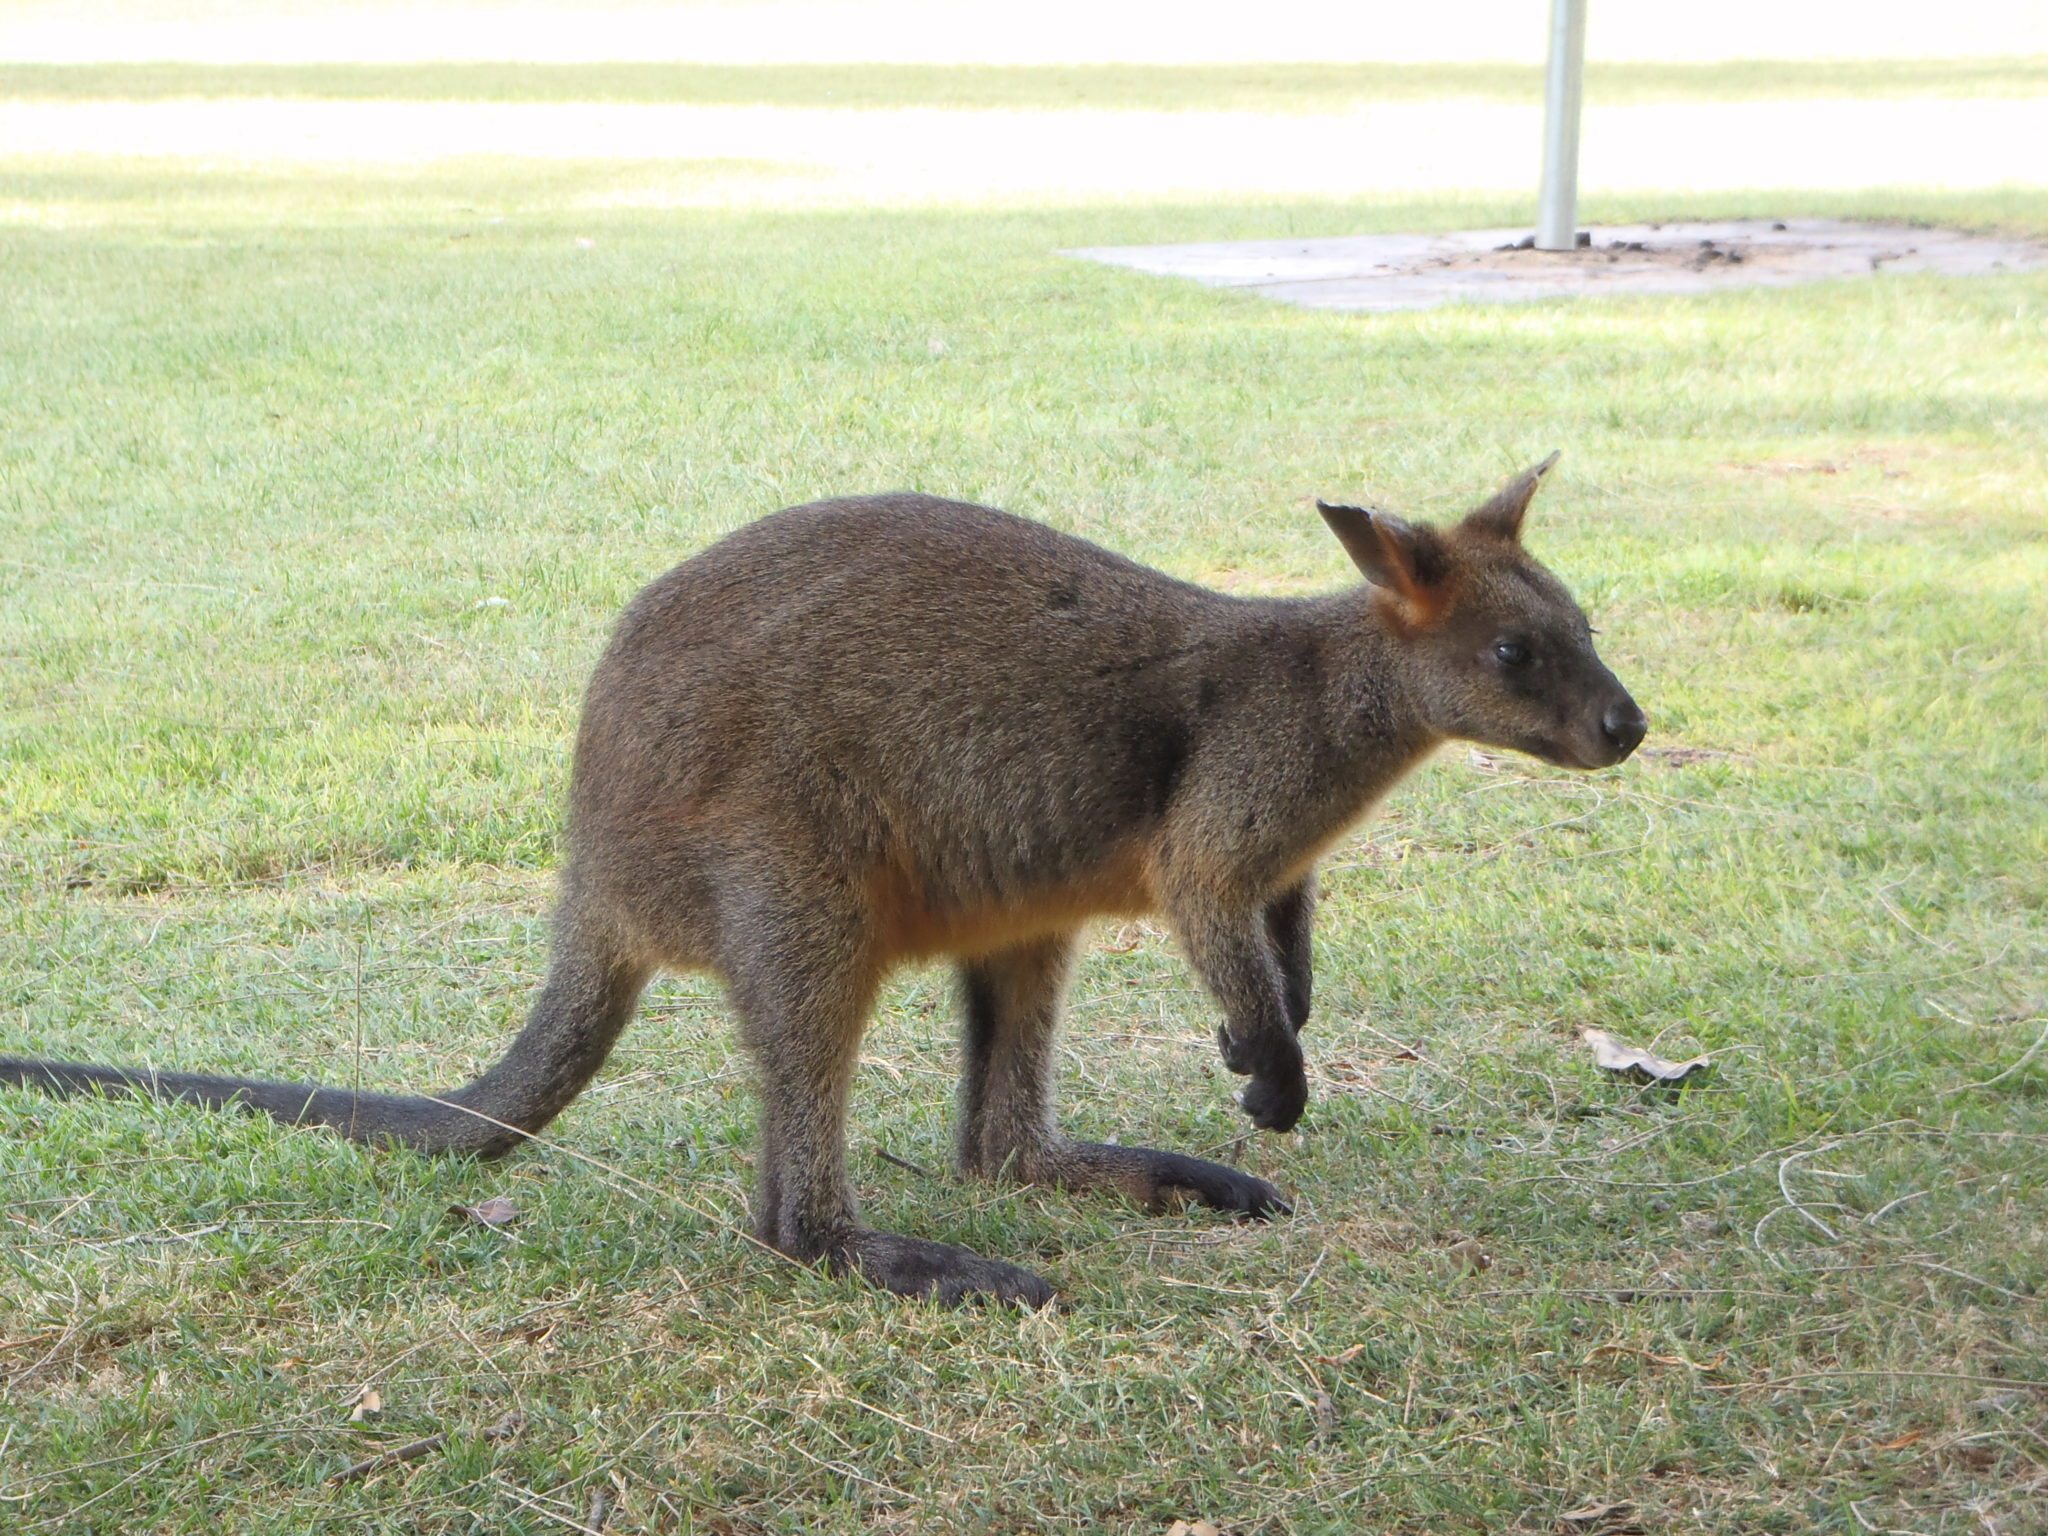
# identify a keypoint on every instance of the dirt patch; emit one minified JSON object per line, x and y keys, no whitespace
{"x":1493,"y":266}
{"x":1694,"y":257}
{"x":1890,"y":460}
{"x":1685,"y":757}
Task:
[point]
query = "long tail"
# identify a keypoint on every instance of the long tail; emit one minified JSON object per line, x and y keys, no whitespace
{"x":587,"y":1000}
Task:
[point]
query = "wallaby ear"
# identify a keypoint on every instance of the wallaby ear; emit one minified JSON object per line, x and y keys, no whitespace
{"x":1402,"y":559}
{"x":1501,"y":518}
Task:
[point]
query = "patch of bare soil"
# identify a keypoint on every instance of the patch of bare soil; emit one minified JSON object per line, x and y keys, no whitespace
{"x":1389,"y":272}
{"x":1682,"y":249}
{"x":1695,"y":256}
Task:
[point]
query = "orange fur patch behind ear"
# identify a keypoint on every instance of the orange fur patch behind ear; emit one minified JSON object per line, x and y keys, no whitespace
{"x":1409,"y":566}
{"x":1415,"y":608}
{"x":1424,"y":572}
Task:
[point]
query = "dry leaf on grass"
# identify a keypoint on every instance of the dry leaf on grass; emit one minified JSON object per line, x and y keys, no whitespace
{"x":1637,"y":1065}
{"x":369,"y":1403}
{"x":1192,"y":1528}
{"x":498,"y":1211}
{"x":1899,"y":1443}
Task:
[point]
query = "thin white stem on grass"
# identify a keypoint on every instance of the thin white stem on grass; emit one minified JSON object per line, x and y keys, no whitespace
{"x":1785,"y":1187}
{"x":1988,"y":1285}
{"x":1856,"y":1509}
{"x":625,"y":1183}
{"x":533,"y":1502}
{"x":156,"y":1237}
{"x":1892,"y":1205}
{"x":2027,"y":1056}
{"x":1296,"y":1294}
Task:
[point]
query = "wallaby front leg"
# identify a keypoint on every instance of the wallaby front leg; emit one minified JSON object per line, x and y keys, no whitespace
{"x":1289,"y":917}
{"x":1233,"y":953}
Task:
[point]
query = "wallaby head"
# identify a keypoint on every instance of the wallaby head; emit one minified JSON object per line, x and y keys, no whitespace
{"x":1497,"y":651}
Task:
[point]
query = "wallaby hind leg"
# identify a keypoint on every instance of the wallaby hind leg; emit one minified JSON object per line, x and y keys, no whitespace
{"x":1006,"y":1101}
{"x":803,"y":1002}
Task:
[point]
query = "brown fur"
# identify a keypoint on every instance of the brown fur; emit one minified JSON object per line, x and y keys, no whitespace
{"x":865,"y":732}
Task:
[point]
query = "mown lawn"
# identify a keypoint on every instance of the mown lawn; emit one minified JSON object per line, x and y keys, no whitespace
{"x":317,"y":494}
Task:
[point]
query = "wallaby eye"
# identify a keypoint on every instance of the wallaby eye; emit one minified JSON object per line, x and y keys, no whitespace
{"x":1511,"y":654}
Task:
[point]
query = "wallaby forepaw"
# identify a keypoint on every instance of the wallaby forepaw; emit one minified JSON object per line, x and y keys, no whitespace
{"x":1275,"y":1104}
{"x":913,"y":1266}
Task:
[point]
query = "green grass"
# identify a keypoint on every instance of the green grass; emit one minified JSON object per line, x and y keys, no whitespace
{"x":1305,"y":87}
{"x":317,"y":494}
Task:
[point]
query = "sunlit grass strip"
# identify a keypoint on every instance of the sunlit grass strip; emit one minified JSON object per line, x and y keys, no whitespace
{"x":1285,"y":88}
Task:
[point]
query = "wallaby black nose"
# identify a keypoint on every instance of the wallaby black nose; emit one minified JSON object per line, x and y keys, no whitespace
{"x":1624,"y":725}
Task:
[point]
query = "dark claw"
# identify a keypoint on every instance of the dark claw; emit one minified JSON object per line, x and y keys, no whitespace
{"x":1242,"y":1196}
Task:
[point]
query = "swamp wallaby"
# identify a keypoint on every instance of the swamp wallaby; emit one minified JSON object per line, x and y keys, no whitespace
{"x":878,"y":730}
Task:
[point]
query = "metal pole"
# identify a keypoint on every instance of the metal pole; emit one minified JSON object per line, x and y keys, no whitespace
{"x":1557,"y":216}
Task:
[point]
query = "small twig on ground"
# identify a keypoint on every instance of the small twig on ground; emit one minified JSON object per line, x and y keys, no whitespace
{"x":1973,"y":1279}
{"x":1863,"y":1520}
{"x":1884,"y":900}
{"x":156,"y":1237}
{"x":1307,"y":1280}
{"x":412,"y":1450}
{"x":895,"y":1419}
{"x":1797,"y":1378}
{"x":532,"y":1501}
{"x":600,"y":1507}
{"x":1892,"y":1205}
{"x":427,"y":1445}
{"x":625,"y":1183}
{"x":1231,"y":1148}
{"x":904,"y":1163}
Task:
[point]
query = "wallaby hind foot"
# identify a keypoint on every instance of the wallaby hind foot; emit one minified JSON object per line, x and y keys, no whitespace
{"x":915,"y":1266}
{"x":1007,"y":1127}
{"x":1155,"y":1180}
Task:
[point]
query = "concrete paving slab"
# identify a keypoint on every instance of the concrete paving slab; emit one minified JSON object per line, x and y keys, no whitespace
{"x":1497,"y":266}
